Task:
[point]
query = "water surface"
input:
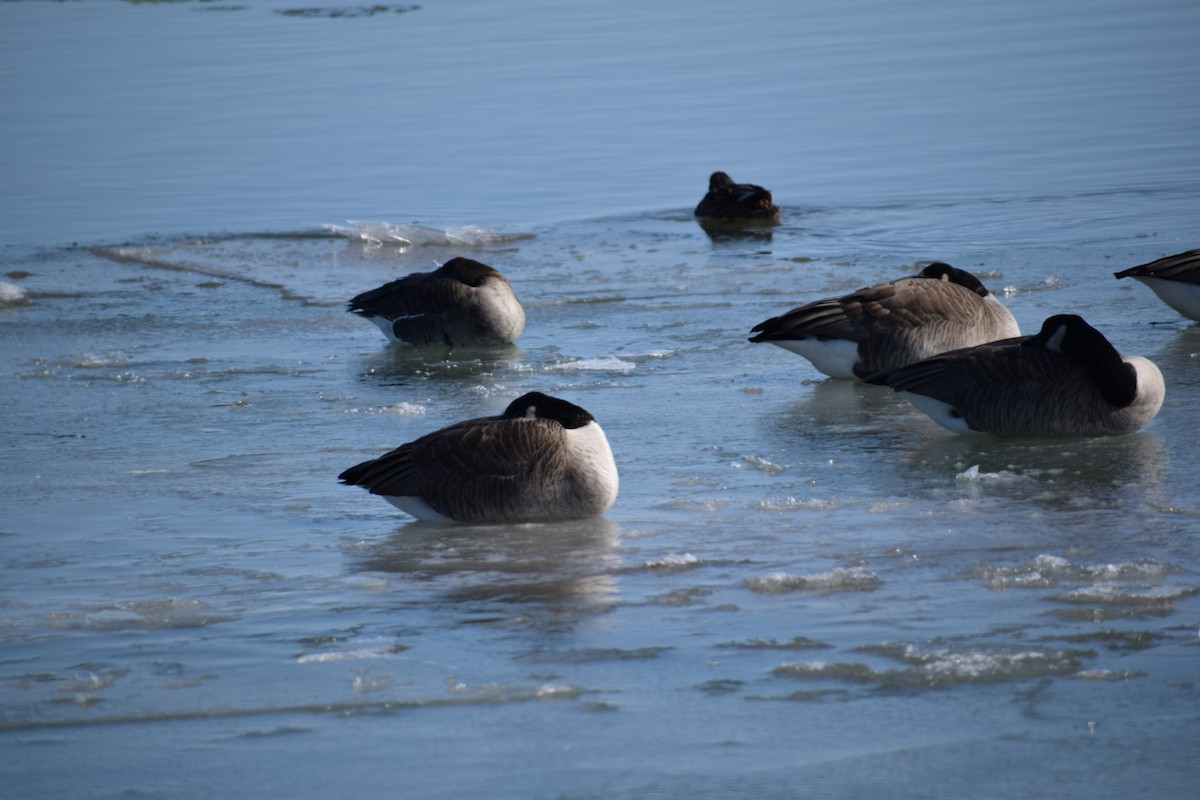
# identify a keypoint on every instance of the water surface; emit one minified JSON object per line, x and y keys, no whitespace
{"x":805,"y":587}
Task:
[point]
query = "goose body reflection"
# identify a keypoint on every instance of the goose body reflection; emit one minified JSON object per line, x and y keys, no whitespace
{"x":571,"y":561}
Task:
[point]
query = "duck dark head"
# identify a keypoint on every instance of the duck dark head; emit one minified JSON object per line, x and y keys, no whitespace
{"x":536,"y":405}
{"x":719,"y":180}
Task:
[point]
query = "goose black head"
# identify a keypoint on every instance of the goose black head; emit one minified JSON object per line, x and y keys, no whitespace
{"x":1070,"y":335}
{"x":536,"y":405}
{"x":943,"y":271}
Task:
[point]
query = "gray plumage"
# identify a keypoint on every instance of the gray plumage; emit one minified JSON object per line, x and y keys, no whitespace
{"x":1067,"y":380}
{"x":891,"y":324}
{"x":464,"y":302}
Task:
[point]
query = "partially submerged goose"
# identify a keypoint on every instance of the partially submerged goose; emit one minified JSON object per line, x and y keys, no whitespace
{"x":464,"y":302}
{"x":727,"y":201}
{"x":1067,"y":380}
{"x":1175,"y":279}
{"x":891,"y":324}
{"x":542,"y":459}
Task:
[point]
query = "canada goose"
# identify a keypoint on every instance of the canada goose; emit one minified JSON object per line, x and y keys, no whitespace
{"x":1175,"y":279}
{"x":542,"y":459}
{"x":729,"y":201}
{"x":463,"y":302}
{"x":1067,"y":380}
{"x":891,"y":324}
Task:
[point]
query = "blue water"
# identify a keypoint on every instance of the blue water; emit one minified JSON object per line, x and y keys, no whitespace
{"x":803,"y":590}
{"x":193,"y":117}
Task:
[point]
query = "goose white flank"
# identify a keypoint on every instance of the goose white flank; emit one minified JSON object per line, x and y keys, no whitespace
{"x":1175,"y":279}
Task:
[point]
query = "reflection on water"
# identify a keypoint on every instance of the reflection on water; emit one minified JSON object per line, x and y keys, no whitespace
{"x":1178,"y":358}
{"x":720,"y":230}
{"x":403,"y":364}
{"x":1066,"y":473}
{"x":1063,"y":474}
{"x":540,"y":563}
{"x":836,"y":406}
